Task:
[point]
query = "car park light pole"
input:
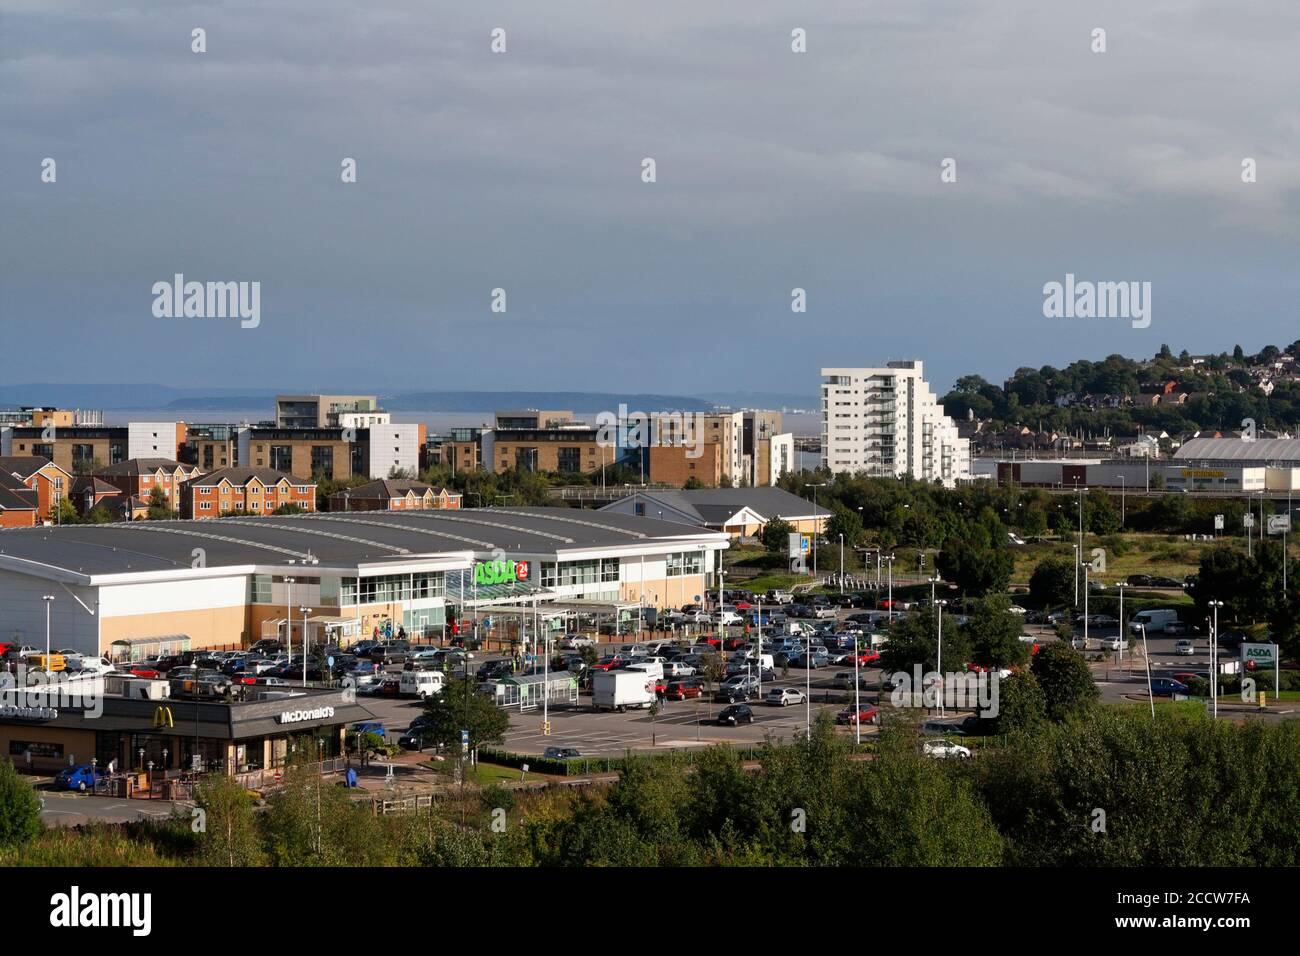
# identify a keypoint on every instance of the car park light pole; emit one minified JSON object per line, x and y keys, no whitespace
{"x":1122,"y":632}
{"x":1086,"y":568}
{"x":49,"y":600}
{"x":304,"y":611}
{"x":1147,"y":654}
{"x":1214,"y":659}
{"x":890,"y":559}
{"x":841,"y":564}
{"x":1077,"y":555}
{"x":288,"y":624}
{"x":857,"y":693}
{"x":938,"y":664}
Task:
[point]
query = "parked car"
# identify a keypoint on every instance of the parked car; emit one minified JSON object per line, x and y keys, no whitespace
{"x":784,"y":696}
{"x":1167,"y":686}
{"x":862,"y":715}
{"x":79,"y":777}
{"x":944,"y":748}
{"x":684,"y":689}
{"x":576,"y":642}
{"x":735,"y":715}
{"x":561,"y":753}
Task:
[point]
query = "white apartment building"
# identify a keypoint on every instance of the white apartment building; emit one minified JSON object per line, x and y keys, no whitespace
{"x":886,"y":422}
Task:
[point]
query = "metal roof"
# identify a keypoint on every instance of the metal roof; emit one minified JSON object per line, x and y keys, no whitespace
{"x":332,"y":539}
{"x":1262,"y":451}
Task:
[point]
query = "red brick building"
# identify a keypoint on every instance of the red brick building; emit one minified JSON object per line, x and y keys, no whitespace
{"x":18,"y":503}
{"x":138,"y":477}
{"x":257,"y":491}
{"x":50,"y":482}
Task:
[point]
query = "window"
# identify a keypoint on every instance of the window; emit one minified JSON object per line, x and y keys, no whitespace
{"x":322,"y":460}
{"x":550,"y":574}
{"x":569,"y":459}
{"x":609,"y":569}
{"x":261,"y":589}
{"x":686,"y":563}
{"x":282,"y":457}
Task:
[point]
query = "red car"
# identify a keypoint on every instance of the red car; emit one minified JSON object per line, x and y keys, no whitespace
{"x":864,"y":715}
{"x":742,"y":605}
{"x":610,"y":664}
{"x":244,"y":679}
{"x":139,"y":670}
{"x":735,"y":643}
{"x":684,"y":689}
{"x":712,"y":640}
{"x":867,"y":658}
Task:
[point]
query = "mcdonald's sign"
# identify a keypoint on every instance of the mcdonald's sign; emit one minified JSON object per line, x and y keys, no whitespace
{"x":162,"y":717}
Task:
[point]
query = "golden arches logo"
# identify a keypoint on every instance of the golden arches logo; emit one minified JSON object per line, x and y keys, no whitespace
{"x":162,"y":717}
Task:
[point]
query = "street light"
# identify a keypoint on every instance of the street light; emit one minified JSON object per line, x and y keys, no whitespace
{"x":1086,"y":568}
{"x":1122,"y":632}
{"x":938,"y":664}
{"x":49,"y":600}
{"x":1147,"y":654}
{"x":304,"y":611}
{"x":1077,"y":554}
{"x":1214,"y":658}
{"x":816,"y":523}
{"x":841,"y":564}
{"x":890,"y":600}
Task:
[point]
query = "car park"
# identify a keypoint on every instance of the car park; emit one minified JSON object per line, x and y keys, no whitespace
{"x":735,"y":715}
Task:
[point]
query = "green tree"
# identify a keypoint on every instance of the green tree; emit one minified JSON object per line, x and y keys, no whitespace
{"x":65,"y":512}
{"x":915,"y":640}
{"x":1022,"y":706}
{"x":159,"y":507}
{"x":1100,"y":514}
{"x":229,"y":836}
{"x":458,"y":708}
{"x":977,"y":571}
{"x":20,"y":808}
{"x":843,"y":522}
{"x":1066,"y":681}
{"x":994,"y":634}
{"x":1052,"y":582}
{"x":776,"y":535}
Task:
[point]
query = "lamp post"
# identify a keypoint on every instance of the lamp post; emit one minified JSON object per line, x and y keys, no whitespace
{"x":816,"y":523}
{"x":938,"y":663}
{"x":841,"y":564}
{"x":1122,"y":632}
{"x":1214,"y":659}
{"x":49,"y":600}
{"x":1076,"y":574}
{"x":1086,"y":568}
{"x":1123,"y":511}
{"x":288,"y":618}
{"x":1147,"y":655}
{"x":304,"y":611}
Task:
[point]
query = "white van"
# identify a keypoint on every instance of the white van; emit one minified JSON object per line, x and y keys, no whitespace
{"x":1154,"y":621}
{"x":421,"y":684}
{"x":652,"y":668}
{"x":764,"y":660}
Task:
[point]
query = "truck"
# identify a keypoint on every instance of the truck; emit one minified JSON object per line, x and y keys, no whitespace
{"x":621,"y":689}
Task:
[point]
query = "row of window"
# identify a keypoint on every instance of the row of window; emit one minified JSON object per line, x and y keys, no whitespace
{"x":685,"y":563}
{"x":601,"y":570}
{"x":349,"y":591}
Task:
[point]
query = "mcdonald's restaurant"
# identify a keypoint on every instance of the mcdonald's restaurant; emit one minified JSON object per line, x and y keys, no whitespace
{"x":141,"y":729}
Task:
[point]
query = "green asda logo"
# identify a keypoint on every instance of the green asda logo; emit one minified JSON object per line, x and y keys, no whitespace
{"x":499,"y":572}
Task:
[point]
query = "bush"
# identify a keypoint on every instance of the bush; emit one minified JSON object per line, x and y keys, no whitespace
{"x":20,"y":807}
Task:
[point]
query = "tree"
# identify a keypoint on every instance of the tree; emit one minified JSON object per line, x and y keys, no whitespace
{"x":160,"y":508}
{"x":229,"y":834}
{"x":289,"y":508}
{"x":64,"y":512}
{"x":776,"y":535}
{"x":977,"y":571}
{"x":994,"y":634}
{"x":915,"y":640}
{"x":1100,"y":514}
{"x":1066,"y":682}
{"x":1052,"y":583}
{"x":458,"y":708}
{"x":20,"y":808}
{"x":1022,"y":706}
{"x":843,"y":522}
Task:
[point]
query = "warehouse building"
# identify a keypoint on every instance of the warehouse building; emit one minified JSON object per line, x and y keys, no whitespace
{"x":132,"y":591}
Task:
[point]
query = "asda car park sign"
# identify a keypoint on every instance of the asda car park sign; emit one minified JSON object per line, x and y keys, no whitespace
{"x":499,"y":572}
{"x":1258,"y":656}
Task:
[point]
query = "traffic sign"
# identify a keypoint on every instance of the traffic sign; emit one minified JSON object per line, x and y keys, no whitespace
{"x":464,"y":739}
{"x":1248,"y":519}
{"x":1279,"y":524}
{"x":1218,"y":522}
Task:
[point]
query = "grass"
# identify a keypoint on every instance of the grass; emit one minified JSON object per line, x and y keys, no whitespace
{"x":486,"y":774}
{"x":1158,"y":554}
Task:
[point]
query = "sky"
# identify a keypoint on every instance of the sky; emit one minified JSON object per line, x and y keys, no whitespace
{"x":523,"y":171}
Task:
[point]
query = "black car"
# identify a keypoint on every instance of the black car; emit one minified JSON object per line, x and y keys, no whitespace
{"x":735,"y":715}
{"x":416,"y":737}
{"x":395,"y":652}
{"x":493,"y":670}
{"x":1140,"y":580}
{"x":267,"y":647}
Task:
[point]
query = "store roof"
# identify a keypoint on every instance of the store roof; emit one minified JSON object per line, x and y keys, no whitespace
{"x":329,"y":539}
{"x":1261,"y":451}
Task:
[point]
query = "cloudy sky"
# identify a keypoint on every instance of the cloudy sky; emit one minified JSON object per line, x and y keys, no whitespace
{"x":522,"y":170}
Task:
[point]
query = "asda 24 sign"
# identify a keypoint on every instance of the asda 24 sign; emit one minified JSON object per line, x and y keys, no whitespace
{"x":499,"y":572}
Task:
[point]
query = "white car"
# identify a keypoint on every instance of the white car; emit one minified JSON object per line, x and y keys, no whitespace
{"x":1017,"y":610}
{"x":944,"y":748}
{"x":1115,"y":644}
{"x":784,"y":696}
{"x":576,"y":642}
{"x":726,"y":618}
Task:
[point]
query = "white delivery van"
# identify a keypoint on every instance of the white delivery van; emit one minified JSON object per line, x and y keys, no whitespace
{"x":621,"y":689}
{"x":762,"y":660}
{"x":421,"y":684}
{"x":1155,"y":621}
{"x":653,"y":668}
